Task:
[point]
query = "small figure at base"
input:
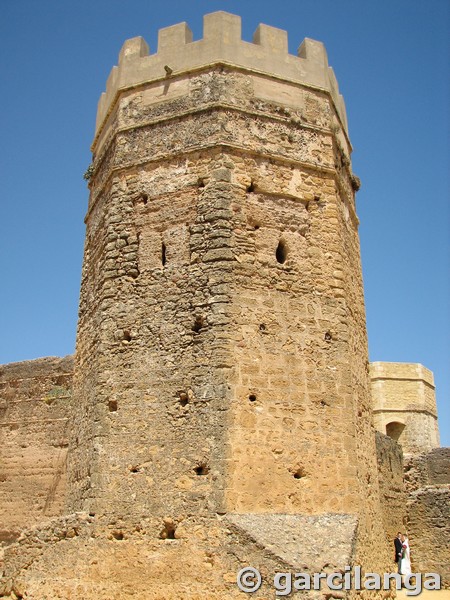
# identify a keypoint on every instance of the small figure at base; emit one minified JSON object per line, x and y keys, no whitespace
{"x":398,"y":549}
{"x":405,"y":562}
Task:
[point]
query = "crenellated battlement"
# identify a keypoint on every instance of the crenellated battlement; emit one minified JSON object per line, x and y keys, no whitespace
{"x":221,"y":44}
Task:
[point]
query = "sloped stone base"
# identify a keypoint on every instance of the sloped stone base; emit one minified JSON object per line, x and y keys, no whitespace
{"x":79,"y":557}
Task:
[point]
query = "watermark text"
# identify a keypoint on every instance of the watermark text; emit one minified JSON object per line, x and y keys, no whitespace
{"x":249,"y":580}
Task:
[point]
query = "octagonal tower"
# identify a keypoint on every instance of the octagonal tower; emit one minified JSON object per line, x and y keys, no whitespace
{"x":221,"y":361}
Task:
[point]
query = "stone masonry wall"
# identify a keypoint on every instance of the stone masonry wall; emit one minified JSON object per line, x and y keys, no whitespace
{"x":393,"y":494}
{"x":35,"y":409}
{"x":428,"y":468}
{"x":427,"y":479}
{"x":429,"y":531}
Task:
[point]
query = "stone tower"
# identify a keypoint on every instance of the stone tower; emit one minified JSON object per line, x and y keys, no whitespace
{"x":404,"y":405}
{"x":223,"y":412}
{"x":221,"y":358}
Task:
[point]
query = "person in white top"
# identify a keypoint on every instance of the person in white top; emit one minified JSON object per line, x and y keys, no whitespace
{"x":405,"y":561}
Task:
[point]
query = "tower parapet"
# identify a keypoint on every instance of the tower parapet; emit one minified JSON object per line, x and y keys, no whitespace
{"x":221,"y":44}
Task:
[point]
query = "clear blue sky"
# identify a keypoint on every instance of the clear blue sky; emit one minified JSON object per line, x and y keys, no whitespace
{"x":391,"y":58}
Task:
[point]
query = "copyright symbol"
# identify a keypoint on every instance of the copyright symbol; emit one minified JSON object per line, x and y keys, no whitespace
{"x":249,"y":580}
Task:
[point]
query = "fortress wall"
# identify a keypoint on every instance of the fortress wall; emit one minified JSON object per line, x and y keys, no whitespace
{"x":35,"y":401}
{"x":427,"y":478}
{"x":429,"y":530}
{"x":392,"y":489}
{"x":428,"y":468}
